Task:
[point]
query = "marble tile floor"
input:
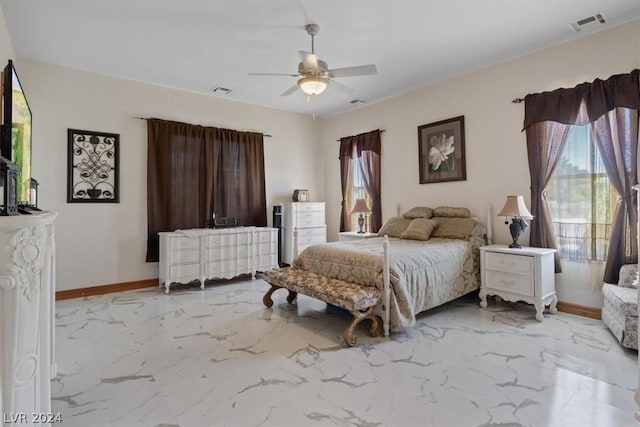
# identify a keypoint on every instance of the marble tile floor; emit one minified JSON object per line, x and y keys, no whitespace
{"x":219,"y":357}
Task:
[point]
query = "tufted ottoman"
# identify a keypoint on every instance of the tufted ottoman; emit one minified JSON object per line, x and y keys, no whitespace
{"x":360,"y":300}
{"x":620,"y":309}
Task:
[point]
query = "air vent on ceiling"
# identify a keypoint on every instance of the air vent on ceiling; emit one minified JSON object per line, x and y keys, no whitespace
{"x":589,"y":23}
{"x":357,"y":101}
{"x":221,"y":90}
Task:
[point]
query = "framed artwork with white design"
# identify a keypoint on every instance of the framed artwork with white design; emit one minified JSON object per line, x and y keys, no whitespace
{"x":93,"y":167}
{"x":441,"y":151}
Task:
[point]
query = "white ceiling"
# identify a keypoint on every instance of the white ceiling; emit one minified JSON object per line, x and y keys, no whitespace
{"x":197,"y":45}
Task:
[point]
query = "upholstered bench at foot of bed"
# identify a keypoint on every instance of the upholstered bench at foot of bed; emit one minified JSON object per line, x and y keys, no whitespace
{"x":360,"y":301}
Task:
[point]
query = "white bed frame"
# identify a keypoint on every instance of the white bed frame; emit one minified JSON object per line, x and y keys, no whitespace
{"x":386,"y":286}
{"x":386,"y":290}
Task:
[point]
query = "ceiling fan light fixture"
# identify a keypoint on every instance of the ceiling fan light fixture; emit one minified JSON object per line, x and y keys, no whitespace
{"x":313,"y":85}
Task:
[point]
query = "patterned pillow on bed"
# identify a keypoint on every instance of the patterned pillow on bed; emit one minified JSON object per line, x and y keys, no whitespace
{"x":457,"y":228}
{"x":419,"y":229}
{"x":394,"y":227}
{"x":449,"y":212}
{"x":418,"y":212}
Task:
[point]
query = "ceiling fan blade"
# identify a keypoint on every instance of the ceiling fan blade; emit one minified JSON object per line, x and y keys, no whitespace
{"x":273,"y":74}
{"x":360,"y":70}
{"x":290,"y":90}
{"x":309,"y":60}
{"x":339,"y":87}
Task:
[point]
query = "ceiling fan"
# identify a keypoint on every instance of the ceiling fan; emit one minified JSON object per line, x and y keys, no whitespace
{"x":314,"y":74}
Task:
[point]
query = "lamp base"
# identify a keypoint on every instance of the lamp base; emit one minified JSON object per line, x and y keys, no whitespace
{"x":360,"y":224}
{"x":517,"y":226}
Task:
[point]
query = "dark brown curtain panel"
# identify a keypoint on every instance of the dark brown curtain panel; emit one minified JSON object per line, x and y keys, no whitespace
{"x":611,"y":107}
{"x":616,"y":135}
{"x":545,"y":143}
{"x":238,"y":185}
{"x":345,"y":171}
{"x":365,"y":147}
{"x":368,"y":148}
{"x":194,"y":171}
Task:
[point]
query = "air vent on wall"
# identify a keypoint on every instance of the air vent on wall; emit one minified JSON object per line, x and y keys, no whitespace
{"x":221,"y":90}
{"x":589,"y":23}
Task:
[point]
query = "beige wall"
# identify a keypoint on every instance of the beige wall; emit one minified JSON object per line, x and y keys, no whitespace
{"x":496,"y":155}
{"x":101,"y":244}
{"x":6,"y":48}
{"x":105,"y":243}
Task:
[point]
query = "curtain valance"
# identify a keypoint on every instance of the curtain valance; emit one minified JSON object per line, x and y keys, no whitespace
{"x":600,"y":97}
{"x":353,"y":146}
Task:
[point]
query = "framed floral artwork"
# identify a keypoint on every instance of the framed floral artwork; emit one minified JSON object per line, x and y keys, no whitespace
{"x":441,"y":151}
{"x":93,"y":167}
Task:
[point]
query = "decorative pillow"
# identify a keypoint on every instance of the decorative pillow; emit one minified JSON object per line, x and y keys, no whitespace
{"x":457,"y":228}
{"x":419,"y":229}
{"x":449,"y":212}
{"x":418,"y":212}
{"x":394,"y":227}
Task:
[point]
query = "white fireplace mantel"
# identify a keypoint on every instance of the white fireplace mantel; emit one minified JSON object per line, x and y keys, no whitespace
{"x":27,"y":295}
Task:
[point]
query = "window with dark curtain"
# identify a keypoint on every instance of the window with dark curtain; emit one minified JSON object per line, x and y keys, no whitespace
{"x":609,"y":112}
{"x":194,"y":172}
{"x":361,"y":178}
{"x":581,"y":199}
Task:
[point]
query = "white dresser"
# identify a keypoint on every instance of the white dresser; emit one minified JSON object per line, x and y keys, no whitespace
{"x":204,"y":253}
{"x":27,"y":311}
{"x":525,"y":274}
{"x":303,"y":225}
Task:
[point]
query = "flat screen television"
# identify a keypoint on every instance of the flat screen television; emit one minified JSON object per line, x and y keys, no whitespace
{"x":17,"y":124}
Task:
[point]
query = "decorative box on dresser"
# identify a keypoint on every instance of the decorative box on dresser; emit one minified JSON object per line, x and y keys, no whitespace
{"x":304,"y":225}
{"x":519,"y":274}
{"x":203,"y":253}
{"x":27,"y":312}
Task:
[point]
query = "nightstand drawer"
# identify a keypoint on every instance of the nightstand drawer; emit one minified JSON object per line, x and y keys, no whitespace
{"x":513,"y":264}
{"x":509,"y":282}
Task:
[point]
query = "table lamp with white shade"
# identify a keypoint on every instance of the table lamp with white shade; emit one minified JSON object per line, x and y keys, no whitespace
{"x":517,"y":210}
{"x":362,"y":209}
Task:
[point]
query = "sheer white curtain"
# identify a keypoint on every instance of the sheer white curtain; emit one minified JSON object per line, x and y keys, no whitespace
{"x":581,"y":199}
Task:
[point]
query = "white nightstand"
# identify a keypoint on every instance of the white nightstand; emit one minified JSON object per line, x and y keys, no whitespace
{"x":354,"y":235}
{"x":526,"y":274}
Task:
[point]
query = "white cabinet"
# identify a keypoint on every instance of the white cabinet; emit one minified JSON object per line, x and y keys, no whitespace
{"x":303,"y":225}
{"x":346,"y":236}
{"x":525,"y":274}
{"x":201,"y":254}
{"x":27,"y":310}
